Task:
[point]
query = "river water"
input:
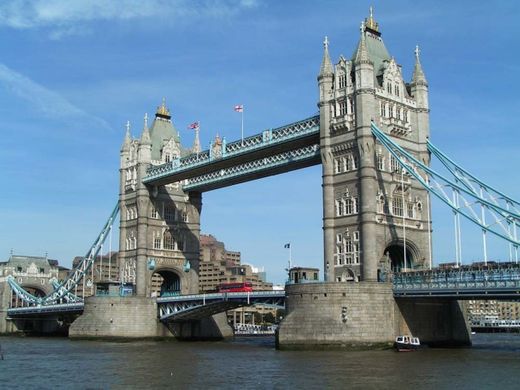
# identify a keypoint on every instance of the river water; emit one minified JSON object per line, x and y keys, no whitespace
{"x":252,"y":363}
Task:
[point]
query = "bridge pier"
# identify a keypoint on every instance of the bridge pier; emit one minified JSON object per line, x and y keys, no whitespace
{"x":365,"y":315}
{"x":436,"y":321}
{"x":215,"y":327}
{"x":118,"y":317}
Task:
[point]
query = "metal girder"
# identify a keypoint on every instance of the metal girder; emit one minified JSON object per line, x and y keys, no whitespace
{"x":194,"y":307}
{"x":63,"y":291}
{"x":271,"y":141}
{"x":458,"y":192}
{"x":48,"y":309}
{"x":271,"y":165}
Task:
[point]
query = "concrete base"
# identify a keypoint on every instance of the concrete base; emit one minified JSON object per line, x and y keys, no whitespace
{"x":364,"y":316}
{"x":332,"y":315}
{"x":215,"y":327}
{"x":118,"y":317}
{"x":136,"y":317}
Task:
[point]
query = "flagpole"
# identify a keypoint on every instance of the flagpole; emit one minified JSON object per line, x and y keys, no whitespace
{"x":290,"y":257}
{"x":242,"y":127}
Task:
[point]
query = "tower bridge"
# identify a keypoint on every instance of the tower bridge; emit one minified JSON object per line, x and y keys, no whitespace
{"x":371,"y":138}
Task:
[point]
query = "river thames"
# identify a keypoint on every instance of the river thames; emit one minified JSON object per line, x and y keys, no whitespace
{"x":252,"y":363}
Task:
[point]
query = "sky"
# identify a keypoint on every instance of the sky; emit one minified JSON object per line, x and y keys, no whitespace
{"x":73,"y":72}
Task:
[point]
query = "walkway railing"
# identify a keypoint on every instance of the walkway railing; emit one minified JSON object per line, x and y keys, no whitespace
{"x":501,"y":281}
{"x":267,"y":138}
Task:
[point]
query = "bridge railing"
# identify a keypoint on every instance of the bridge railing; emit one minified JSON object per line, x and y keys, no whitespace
{"x":267,"y":137}
{"x":477,"y":278}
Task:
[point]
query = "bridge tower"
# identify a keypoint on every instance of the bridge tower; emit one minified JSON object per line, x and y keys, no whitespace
{"x":375,"y":217}
{"x":160,"y":226}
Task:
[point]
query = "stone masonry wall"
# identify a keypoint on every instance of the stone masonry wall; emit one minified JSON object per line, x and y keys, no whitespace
{"x":338,"y":315}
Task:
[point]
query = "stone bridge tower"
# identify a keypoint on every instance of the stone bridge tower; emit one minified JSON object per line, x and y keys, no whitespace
{"x":375,"y":217}
{"x":160,"y":226}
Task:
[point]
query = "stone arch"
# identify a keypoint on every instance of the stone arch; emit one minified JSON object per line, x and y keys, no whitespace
{"x":393,"y":255}
{"x":345,"y":275}
{"x":166,"y":282}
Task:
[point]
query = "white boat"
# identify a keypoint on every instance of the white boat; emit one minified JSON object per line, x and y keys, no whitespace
{"x":406,"y":343}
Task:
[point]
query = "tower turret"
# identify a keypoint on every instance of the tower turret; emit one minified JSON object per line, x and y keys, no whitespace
{"x":419,"y":91}
{"x":145,"y":143}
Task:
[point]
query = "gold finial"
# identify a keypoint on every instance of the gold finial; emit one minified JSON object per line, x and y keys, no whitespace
{"x":370,"y":21}
{"x":162,"y":109}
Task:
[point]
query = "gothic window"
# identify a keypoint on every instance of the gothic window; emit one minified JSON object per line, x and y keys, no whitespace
{"x":167,"y":157}
{"x":389,"y":88}
{"x":342,"y":81}
{"x":337,"y":165}
{"x":394,"y":111}
{"x":342,"y":108}
{"x":397,"y":206}
{"x":348,"y":162}
{"x":339,"y":238}
{"x":157,"y":242}
{"x":382,"y":109}
{"x":396,"y":90}
{"x":399,"y":111}
{"x":154,"y":214}
{"x":410,"y":210}
{"x":349,"y":206}
{"x":405,"y":116}
{"x":168,"y":241}
{"x":356,"y":235}
{"x":394,"y":164}
{"x":339,"y":207}
{"x":169,"y":213}
{"x":350,"y":105}
{"x":354,"y":161}
{"x":380,"y":161}
{"x":184,"y":216}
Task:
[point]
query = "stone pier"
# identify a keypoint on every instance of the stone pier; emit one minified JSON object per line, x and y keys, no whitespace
{"x":365,"y":315}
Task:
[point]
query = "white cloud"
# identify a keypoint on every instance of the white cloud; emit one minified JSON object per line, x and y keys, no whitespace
{"x":48,"y":102}
{"x":64,"y":17}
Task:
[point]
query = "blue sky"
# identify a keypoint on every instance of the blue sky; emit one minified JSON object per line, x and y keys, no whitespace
{"x":73,"y":72}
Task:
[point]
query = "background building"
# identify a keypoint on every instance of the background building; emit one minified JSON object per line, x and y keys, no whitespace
{"x":218,"y":265}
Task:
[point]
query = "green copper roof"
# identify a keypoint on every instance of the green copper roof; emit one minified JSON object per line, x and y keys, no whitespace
{"x":162,"y":130}
{"x":376,"y":51}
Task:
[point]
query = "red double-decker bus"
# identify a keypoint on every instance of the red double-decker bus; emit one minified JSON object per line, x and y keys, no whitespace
{"x":235,"y":287}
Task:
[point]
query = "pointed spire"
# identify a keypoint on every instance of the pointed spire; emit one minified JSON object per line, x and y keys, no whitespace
{"x":128,"y":138}
{"x":418,"y":77}
{"x":362,"y":51}
{"x":326,"y":64}
{"x":145,"y":136}
{"x":196,"y":143}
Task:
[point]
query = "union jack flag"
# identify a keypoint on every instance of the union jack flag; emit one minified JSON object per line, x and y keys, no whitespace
{"x":194,"y":125}
{"x":239,"y":108}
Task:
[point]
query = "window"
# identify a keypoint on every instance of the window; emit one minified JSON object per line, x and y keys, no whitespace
{"x":342,"y":81}
{"x":382,"y":109}
{"x":350,"y":105}
{"x":388,"y":88}
{"x":349,"y":206}
{"x":157,"y":242}
{"x":154,"y":214}
{"x":410,"y":210}
{"x":337,"y":165}
{"x":397,"y":206}
{"x":394,"y":164}
{"x":396,"y":90}
{"x":339,"y":238}
{"x":167,"y":157}
{"x":405,"y":116}
{"x":356,"y":235}
{"x":169,"y":213}
{"x":339,"y":207}
{"x":342,"y":108}
{"x":380,"y":159}
{"x":184,"y":216}
{"x":168,"y":241}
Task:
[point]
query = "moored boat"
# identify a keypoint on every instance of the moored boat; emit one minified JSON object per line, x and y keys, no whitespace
{"x":406,"y":343}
